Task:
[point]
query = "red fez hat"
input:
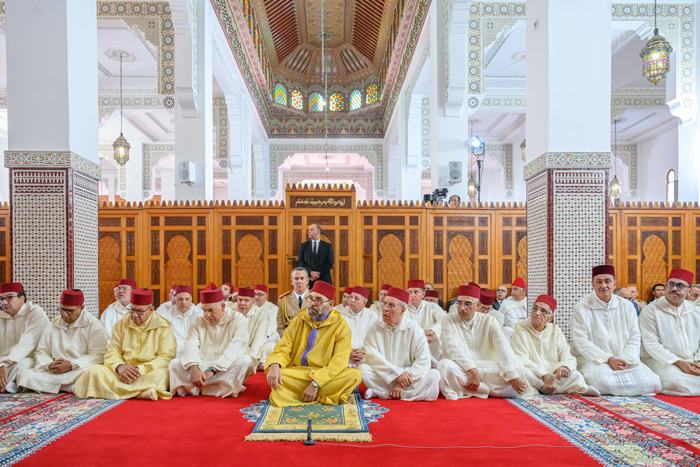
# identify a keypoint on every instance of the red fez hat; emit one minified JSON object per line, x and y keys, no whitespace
{"x":142,"y":297}
{"x":211,"y":296}
{"x":603,"y":269}
{"x":431,"y":294}
{"x":385,"y":287}
{"x":8,"y":287}
{"x":347,"y":290}
{"x":261,"y":288}
{"x":212,"y":286}
{"x":474,"y":284}
{"x":398,"y":294}
{"x":183,"y":289}
{"x":487,"y":296}
{"x":360,"y":291}
{"x":130,"y":282}
{"x":519,"y":282}
{"x":416,"y":284}
{"x":229,"y":285}
{"x":235,"y":290}
{"x":325,"y":289}
{"x":72,"y":297}
{"x":549,"y":300}
{"x":683,"y":275}
{"x":469,"y":291}
{"x":246,"y":292}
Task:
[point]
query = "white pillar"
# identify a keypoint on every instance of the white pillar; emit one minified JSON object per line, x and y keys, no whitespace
{"x":167,"y":185}
{"x":193,"y":135}
{"x":410,"y":146}
{"x":260,"y":171}
{"x":568,"y":147}
{"x":393,"y":170}
{"x":53,"y":155}
{"x":240,"y":178}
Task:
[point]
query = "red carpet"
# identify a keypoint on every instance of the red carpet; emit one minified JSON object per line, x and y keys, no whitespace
{"x":688,"y":403}
{"x":209,"y":431}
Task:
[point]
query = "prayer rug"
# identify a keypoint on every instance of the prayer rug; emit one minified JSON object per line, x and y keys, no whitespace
{"x":342,"y":422}
{"x":608,"y":438}
{"x":31,"y":421}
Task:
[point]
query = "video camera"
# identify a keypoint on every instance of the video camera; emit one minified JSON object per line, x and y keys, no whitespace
{"x":438,"y":195}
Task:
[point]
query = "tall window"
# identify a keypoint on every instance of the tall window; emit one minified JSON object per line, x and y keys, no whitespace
{"x":280,"y":94}
{"x":671,"y":187}
{"x":316,"y":102}
{"x":372,"y":95}
{"x":337,"y":103}
{"x":297,"y":100}
{"x":355,"y":100}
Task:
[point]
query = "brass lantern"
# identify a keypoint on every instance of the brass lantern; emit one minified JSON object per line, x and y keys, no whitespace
{"x":471,"y":187}
{"x":656,"y":56}
{"x":121,"y":150}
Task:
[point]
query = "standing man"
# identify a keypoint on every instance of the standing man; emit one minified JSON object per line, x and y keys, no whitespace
{"x":291,"y":303}
{"x":316,"y":256}
{"x":501,"y":295}
{"x":117,"y":310}
{"x":659,"y":290}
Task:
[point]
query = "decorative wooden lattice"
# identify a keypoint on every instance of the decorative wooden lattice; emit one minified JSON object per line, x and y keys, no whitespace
{"x":250,"y":267}
{"x":110,"y":270}
{"x":390,"y":267}
{"x":178,"y":269}
{"x":521,"y":267}
{"x":460,"y":269}
{"x":654,"y":265}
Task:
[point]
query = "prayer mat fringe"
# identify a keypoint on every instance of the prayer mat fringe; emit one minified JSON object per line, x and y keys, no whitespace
{"x":342,"y":437}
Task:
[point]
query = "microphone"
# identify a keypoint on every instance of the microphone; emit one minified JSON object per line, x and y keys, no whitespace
{"x":309,"y":441}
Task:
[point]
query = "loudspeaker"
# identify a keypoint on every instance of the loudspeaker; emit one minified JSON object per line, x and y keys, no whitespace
{"x":186,"y":173}
{"x":455,"y":172}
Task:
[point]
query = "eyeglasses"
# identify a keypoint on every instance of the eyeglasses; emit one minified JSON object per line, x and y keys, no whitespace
{"x":317,"y":301}
{"x":68,"y":312}
{"x":540,"y":310}
{"x":674,"y":285}
{"x":134,"y":312}
{"x":8,"y":298}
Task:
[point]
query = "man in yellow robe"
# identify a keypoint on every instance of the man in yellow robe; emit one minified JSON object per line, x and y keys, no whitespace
{"x":137,"y":359}
{"x":310,"y":363}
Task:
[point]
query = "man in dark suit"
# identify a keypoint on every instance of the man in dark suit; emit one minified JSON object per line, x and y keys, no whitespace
{"x":316,"y":256}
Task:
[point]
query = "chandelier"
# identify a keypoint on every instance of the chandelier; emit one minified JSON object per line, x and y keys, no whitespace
{"x":121,"y":145}
{"x":615,"y":183}
{"x":656,"y":56}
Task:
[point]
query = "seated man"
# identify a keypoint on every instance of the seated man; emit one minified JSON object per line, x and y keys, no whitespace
{"x":670,"y":328}
{"x":486,"y":302}
{"x":478,"y":361}
{"x":166,"y":306}
{"x":432,"y":296}
{"x":427,"y":315}
{"x":605,"y":341}
{"x":635,"y":294}
{"x":658,"y":291}
{"x":359,"y":319}
{"x":514,"y":308}
{"x":310,"y":363}
{"x":544,"y":352}
{"x":272,"y":311}
{"x":230,"y":295}
{"x":346,"y":300}
{"x":21,"y":326}
{"x":137,"y":359}
{"x":453,"y":302}
{"x":117,"y":310}
{"x":694,"y":294}
{"x":258,"y":323}
{"x":377,"y":306}
{"x":70,"y":344}
{"x":182,"y":315}
{"x":214,"y":361}
{"x":624,"y":292}
{"x":397,"y":358}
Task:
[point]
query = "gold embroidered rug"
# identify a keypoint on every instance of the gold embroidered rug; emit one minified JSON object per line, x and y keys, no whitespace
{"x":342,"y":422}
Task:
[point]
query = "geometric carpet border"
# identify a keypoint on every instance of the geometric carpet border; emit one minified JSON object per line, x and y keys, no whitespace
{"x":41,"y":425}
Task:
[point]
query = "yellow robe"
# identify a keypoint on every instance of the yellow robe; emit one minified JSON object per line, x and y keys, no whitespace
{"x":326,"y":363}
{"x":150,"y":346}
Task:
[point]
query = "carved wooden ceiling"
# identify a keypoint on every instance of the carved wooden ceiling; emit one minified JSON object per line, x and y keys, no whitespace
{"x":358,"y":30}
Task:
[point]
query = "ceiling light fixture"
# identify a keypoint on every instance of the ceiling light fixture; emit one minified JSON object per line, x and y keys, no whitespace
{"x":656,"y":56}
{"x":615,"y":183}
{"x":121,"y":145}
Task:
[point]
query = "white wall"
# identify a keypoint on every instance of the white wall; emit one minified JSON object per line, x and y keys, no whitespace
{"x":4,"y":173}
{"x":655,"y":158}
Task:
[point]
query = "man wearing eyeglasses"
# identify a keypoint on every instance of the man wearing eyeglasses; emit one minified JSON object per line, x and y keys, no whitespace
{"x":397,"y":358}
{"x":137,"y":359}
{"x":271,"y":310}
{"x":359,"y":319}
{"x":478,"y":361}
{"x":310,"y":363}
{"x":606,"y":341}
{"x":379,"y":304}
{"x":21,"y":326}
{"x":427,"y":315}
{"x":70,"y":344}
{"x":117,"y":310}
{"x":544,"y":352}
{"x":671,"y":337}
{"x":214,"y":361}
{"x":182,"y":315}
{"x":514,"y":308}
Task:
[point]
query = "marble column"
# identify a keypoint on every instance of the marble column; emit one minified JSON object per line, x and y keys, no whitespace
{"x":53,"y":148}
{"x":568,"y":146}
{"x":240,"y":177}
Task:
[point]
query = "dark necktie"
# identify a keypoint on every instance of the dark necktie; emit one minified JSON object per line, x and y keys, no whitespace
{"x":300,"y":299}
{"x":315,"y":248}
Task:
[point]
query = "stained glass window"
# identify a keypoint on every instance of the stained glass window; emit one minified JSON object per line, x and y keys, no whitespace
{"x":280,"y":94}
{"x":316,"y":102}
{"x":337,"y":103}
{"x":355,"y":100}
{"x":297,"y":100}
{"x":372,"y":95}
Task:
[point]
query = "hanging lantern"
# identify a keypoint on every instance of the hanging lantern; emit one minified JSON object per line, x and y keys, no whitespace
{"x":522,"y":146}
{"x":614,"y":188}
{"x":656,"y":58}
{"x":121,"y":150}
{"x":471,"y":187}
